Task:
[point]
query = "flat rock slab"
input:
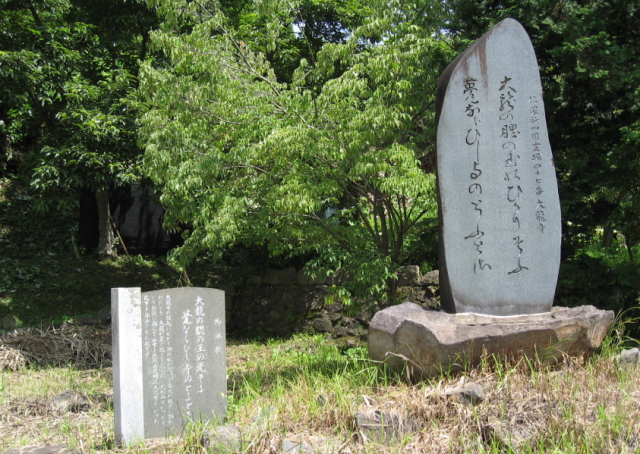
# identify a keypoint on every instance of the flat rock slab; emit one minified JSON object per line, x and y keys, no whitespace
{"x":430,"y":341}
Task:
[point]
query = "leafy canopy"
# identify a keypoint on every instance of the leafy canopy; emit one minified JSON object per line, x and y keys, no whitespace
{"x":321,"y":156}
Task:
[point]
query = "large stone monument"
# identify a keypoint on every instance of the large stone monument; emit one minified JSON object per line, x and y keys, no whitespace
{"x":499,"y":207}
{"x":500,"y":227}
{"x":169,"y":360}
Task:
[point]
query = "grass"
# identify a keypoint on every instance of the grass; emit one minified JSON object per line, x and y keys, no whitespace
{"x":309,"y":388}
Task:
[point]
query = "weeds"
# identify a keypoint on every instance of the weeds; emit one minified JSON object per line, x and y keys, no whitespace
{"x":308,"y":389}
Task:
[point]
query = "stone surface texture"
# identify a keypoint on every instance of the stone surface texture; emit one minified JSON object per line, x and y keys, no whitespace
{"x":499,"y":209}
{"x":222,"y":440}
{"x":286,"y":276}
{"x":409,"y":275}
{"x":126,"y":337}
{"x":430,"y":341}
{"x":382,"y":427}
{"x":470,"y":394}
{"x":70,"y":401}
{"x":174,"y":349}
{"x":629,"y":356}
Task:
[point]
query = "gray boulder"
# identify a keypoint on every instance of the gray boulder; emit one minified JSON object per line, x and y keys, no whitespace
{"x":630,"y":356}
{"x":323,"y":324}
{"x":222,"y":439}
{"x":470,"y":394}
{"x":431,"y":278}
{"x":383,"y":427}
{"x":409,"y":276}
{"x":429,"y":342}
{"x":280,"y":277}
{"x":303,"y":278}
{"x":70,"y":401}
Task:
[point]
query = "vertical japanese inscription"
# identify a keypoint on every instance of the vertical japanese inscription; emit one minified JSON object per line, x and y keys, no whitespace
{"x":187,"y":328}
{"x":536,"y":158}
{"x":472,"y":140}
{"x":200,"y":344}
{"x":508,"y":134}
{"x":168,"y":364}
{"x":183,"y":357}
{"x":498,"y":205}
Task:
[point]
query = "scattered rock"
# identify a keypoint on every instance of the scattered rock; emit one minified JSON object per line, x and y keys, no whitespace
{"x":409,"y":276}
{"x":87,"y":320}
{"x":340,"y":331}
{"x":8,"y":323}
{"x":222,"y":439}
{"x":48,"y":449}
{"x":630,"y":356}
{"x":104,"y":316}
{"x":429,"y":341}
{"x":280,"y":277}
{"x":470,"y":394}
{"x":254,"y":280}
{"x":323,"y":324}
{"x":383,"y":427}
{"x":303,"y":278}
{"x":431,"y":278}
{"x":229,"y":289}
{"x":70,"y":401}
{"x":296,"y":446}
{"x":364,"y":318}
{"x":508,"y":436}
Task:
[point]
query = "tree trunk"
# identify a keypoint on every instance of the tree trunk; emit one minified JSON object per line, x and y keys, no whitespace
{"x":392,"y":287}
{"x":607,"y":235}
{"x":106,"y":237}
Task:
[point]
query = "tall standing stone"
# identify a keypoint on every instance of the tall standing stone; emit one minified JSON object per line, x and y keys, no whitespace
{"x":499,"y":207}
{"x":169,"y":360}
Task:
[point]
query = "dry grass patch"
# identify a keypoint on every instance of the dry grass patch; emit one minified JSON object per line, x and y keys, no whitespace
{"x":82,"y":346}
{"x":308,"y":390}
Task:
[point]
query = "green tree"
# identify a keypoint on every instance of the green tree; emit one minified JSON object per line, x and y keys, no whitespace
{"x":68,"y":114}
{"x":321,"y":156}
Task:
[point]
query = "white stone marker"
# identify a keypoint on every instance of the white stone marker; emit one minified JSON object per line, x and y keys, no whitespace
{"x":169,"y":360}
{"x":126,"y":345}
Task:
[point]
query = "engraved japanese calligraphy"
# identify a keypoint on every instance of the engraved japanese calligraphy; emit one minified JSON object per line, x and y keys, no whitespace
{"x":181,"y":339}
{"x":499,"y":207}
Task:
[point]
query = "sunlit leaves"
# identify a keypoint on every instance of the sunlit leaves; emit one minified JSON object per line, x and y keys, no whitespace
{"x":244,"y":157}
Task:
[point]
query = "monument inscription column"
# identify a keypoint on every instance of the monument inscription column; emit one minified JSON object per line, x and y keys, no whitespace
{"x":499,"y":208}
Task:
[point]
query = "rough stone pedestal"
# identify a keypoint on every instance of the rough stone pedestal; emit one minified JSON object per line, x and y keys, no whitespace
{"x":430,"y":341}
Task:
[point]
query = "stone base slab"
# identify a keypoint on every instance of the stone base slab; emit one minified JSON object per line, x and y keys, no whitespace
{"x":430,"y":342}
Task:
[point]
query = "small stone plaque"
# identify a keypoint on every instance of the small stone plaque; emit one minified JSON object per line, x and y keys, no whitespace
{"x":169,"y":360}
{"x":499,"y":208}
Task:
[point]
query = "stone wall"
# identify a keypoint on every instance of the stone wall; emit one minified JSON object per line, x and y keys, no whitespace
{"x":282,"y":302}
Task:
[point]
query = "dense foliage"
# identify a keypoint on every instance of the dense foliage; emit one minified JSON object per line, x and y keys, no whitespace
{"x":305,"y":127}
{"x":320,"y":156}
{"x":69,"y":108}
